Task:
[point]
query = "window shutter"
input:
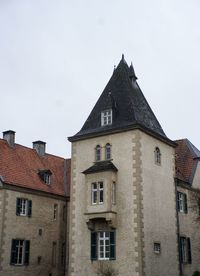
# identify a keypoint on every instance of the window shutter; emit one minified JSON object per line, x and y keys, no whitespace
{"x":185,"y":204}
{"x":112,"y":246}
{"x":93,"y":246}
{"x":178,"y":205}
{"x":180,"y":249}
{"x":189,"y":251}
{"x":29,"y":208}
{"x":13,"y":252}
{"x":18,"y":206}
{"x":26,"y":252}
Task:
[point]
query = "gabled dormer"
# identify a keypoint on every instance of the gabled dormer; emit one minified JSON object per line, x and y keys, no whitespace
{"x":45,"y":176}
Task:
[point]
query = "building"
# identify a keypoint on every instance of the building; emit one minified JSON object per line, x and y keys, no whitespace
{"x":34,"y":189}
{"x":128,"y":200}
{"x":188,"y":205}
{"x":123,"y":201}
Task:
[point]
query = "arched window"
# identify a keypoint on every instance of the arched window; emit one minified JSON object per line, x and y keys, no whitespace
{"x":108,"y":151}
{"x":157,"y":156}
{"x":97,"y":153}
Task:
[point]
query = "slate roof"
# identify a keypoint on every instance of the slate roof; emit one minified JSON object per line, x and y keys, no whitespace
{"x":186,"y":158}
{"x":130,"y":109}
{"x":19,"y":166}
{"x":101,"y":166}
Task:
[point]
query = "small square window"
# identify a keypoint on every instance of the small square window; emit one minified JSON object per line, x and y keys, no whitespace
{"x":157,"y":247}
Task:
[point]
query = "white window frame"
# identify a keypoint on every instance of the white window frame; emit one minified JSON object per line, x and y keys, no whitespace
{"x":106,"y":117}
{"x":94,"y":192}
{"x":182,"y":202}
{"x":98,"y":191}
{"x":23,"y":207}
{"x":47,"y":178}
{"x":20,"y":252}
{"x":108,"y":151}
{"x":184,"y":249}
{"x":103,"y":245}
{"x":98,"y":153}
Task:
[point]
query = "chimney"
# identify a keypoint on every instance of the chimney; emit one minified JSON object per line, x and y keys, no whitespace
{"x":39,"y":146}
{"x":9,"y":136}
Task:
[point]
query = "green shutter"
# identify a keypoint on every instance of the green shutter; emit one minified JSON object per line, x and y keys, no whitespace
{"x":93,"y":246}
{"x":185,"y":204}
{"x":26,"y":252}
{"x":13,"y":252}
{"x":189,"y":251}
{"x":18,"y":206}
{"x":112,"y":246}
{"x":29,"y":208}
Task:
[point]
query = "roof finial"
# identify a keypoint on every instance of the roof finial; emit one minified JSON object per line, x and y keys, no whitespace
{"x":123,"y":57}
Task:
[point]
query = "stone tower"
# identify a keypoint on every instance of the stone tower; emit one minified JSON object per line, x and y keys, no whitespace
{"x":123,"y":209}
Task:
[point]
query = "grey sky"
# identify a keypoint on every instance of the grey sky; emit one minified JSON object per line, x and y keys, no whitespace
{"x":57,"y":56}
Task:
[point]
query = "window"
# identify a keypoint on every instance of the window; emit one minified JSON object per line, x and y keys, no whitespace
{"x":20,"y":252}
{"x":23,"y":207}
{"x":97,"y":193}
{"x":45,"y":176}
{"x":113,"y":193}
{"x":103,"y":245}
{"x":55,"y":211}
{"x":182,"y":202}
{"x":157,"y":155}
{"x":185,"y":250}
{"x":106,"y":117}
{"x":97,"y":153}
{"x":54,"y":253}
{"x":39,"y":260}
{"x":157,"y":247}
{"x":63,"y":254}
{"x":108,"y":152}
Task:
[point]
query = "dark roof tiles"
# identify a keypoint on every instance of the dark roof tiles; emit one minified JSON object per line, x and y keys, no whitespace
{"x":129,"y":106}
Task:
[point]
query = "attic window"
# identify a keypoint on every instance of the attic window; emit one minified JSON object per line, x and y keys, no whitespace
{"x":45,"y":175}
{"x":106,"y":117}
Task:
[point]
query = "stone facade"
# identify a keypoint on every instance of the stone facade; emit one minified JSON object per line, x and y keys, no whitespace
{"x":145,"y":205}
{"x":42,"y":229}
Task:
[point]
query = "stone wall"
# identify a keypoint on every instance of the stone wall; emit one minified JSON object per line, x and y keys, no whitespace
{"x":27,"y":228}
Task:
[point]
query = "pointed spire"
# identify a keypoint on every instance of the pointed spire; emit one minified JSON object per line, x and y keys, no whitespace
{"x":123,"y":57}
{"x":132,"y":73}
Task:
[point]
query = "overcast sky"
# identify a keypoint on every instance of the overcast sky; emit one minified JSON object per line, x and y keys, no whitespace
{"x":56,"y":56}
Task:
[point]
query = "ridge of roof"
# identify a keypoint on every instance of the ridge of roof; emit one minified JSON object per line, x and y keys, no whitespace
{"x":123,"y":95}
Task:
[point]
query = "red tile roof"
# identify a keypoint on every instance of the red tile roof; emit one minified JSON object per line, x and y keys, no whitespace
{"x":19,"y":166}
{"x":186,"y":155}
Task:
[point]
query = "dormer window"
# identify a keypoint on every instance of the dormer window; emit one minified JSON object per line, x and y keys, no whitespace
{"x":106,"y":117}
{"x":45,"y":175}
{"x":108,"y":151}
{"x":157,"y":155}
{"x":98,"y":153}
